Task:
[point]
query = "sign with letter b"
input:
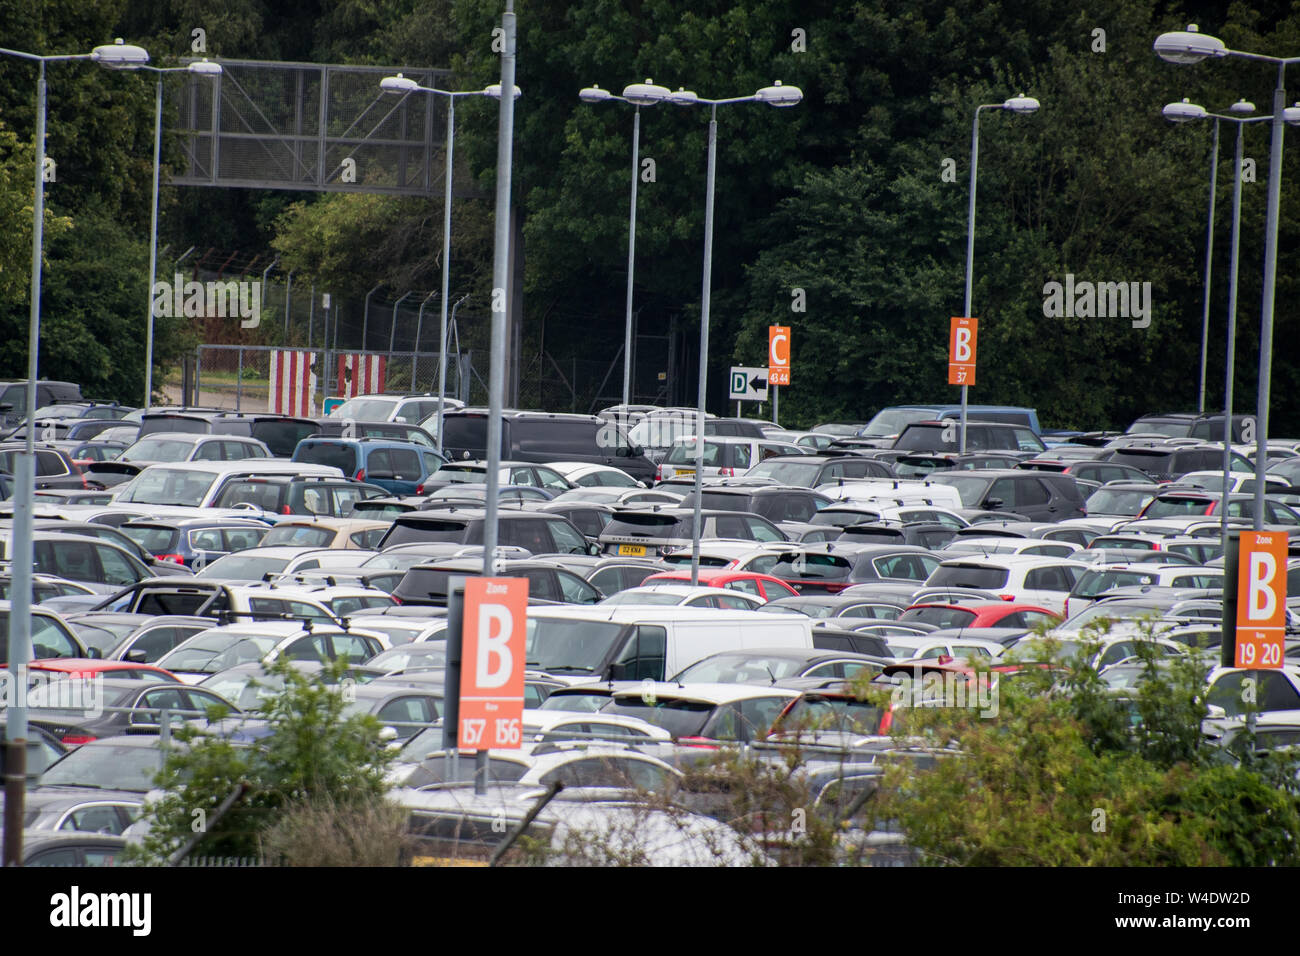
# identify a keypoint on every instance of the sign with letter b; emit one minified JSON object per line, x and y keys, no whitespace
{"x":1261,"y":599}
{"x":492,"y":663}
{"x":961,"y":350}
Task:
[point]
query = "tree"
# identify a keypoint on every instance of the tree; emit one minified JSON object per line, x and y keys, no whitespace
{"x":314,"y":755}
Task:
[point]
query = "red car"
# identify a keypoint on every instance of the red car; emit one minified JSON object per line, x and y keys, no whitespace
{"x":88,"y":667}
{"x":763,"y":586}
{"x":980,"y":614}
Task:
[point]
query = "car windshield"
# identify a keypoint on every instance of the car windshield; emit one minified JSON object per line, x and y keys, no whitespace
{"x":299,"y":536}
{"x":241,"y":567}
{"x":1095,"y":583}
{"x":155,"y":539}
{"x":644,"y":596}
{"x":938,"y":616}
{"x":1107,"y":501}
{"x":833,"y":713}
{"x":105,"y":767}
{"x":424,"y":655}
{"x":559,"y":645}
{"x":1109,"y":611}
{"x":340,"y":455}
{"x":681,"y":718}
{"x":158,"y":448}
{"x":244,"y":689}
{"x":219,"y":652}
{"x":892,"y":421}
{"x":799,"y":473}
{"x":365,"y":409}
{"x":660,"y":432}
{"x":740,"y":669}
{"x":967,"y":576}
{"x":1169,"y":506}
{"x":169,"y":486}
{"x":395,"y":561}
{"x":970,"y":488}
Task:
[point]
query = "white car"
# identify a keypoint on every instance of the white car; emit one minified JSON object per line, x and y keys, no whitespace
{"x":1005,"y":545}
{"x":897,"y":492}
{"x":172,"y":447}
{"x":685,"y":596}
{"x":220,"y":648}
{"x":412,"y":409}
{"x":586,"y":475}
{"x":924,"y":648}
{"x":1025,"y":579}
{"x":703,"y":714}
{"x":1100,"y":579}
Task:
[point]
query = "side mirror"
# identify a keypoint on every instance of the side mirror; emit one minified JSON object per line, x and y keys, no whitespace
{"x":137,"y":655}
{"x":1215,"y":712}
{"x":593,"y":549}
{"x":93,"y":653}
{"x":993,"y":504}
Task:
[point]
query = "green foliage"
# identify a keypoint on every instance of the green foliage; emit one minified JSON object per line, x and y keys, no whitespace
{"x":1070,"y":774}
{"x":315,"y":755}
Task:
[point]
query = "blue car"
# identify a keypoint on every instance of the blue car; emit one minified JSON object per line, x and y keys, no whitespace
{"x":397,"y":466}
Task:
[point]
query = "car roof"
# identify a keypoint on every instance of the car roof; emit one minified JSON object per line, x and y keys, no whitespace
{"x":703,"y":693}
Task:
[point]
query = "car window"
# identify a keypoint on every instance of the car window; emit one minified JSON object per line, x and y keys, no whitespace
{"x":344,"y":497}
{"x":760,"y":530}
{"x":742,"y":455}
{"x":237,"y":539}
{"x":575,"y":589}
{"x":744,"y":586}
{"x":567,"y":541}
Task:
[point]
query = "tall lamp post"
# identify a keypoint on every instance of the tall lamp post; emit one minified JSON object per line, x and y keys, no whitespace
{"x":774,"y":95}
{"x":1187,"y":112}
{"x":118,"y":55}
{"x":403,"y":85}
{"x":1191,"y":46}
{"x":203,"y":67}
{"x":1017,"y":104}
{"x":639,"y":95}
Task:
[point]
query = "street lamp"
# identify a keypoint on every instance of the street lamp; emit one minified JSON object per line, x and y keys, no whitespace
{"x":775,"y":95}
{"x":115,"y":56}
{"x":204,"y":67}
{"x":402,"y":85}
{"x":1192,"y":46}
{"x":1184,"y":112}
{"x":639,"y":95}
{"x":1016,"y":104}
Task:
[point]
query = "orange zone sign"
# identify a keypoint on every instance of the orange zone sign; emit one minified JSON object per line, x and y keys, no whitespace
{"x":961,"y":350}
{"x":492,"y":663}
{"x":778,"y":355}
{"x":1261,"y":599}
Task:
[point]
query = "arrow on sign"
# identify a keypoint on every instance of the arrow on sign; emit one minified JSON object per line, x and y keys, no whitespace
{"x":749,"y":384}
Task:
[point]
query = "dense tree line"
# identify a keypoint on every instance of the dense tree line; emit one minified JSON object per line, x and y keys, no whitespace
{"x":857,"y":196}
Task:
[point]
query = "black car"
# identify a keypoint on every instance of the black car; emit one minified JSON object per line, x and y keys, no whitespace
{"x":428,"y":584}
{"x":980,"y":436}
{"x":1167,"y":462}
{"x":54,"y":469}
{"x":533,"y":531}
{"x":1035,"y":495}
{"x":543,"y":437}
{"x":924,"y":534}
{"x":776,"y":504}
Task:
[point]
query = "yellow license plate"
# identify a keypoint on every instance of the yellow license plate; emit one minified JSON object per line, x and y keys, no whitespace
{"x":683,"y":471}
{"x":631,"y":550}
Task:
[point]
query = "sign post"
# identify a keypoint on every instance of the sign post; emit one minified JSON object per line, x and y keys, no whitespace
{"x":491,"y":691}
{"x":778,"y":362}
{"x":961,"y":361}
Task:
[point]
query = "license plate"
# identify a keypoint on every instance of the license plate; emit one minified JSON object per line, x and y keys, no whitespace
{"x":631,"y":550}
{"x":683,"y":471}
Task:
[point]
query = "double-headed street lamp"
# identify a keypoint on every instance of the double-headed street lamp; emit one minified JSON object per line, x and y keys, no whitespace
{"x":1192,"y":46}
{"x":1185,"y":112}
{"x":117,"y":55}
{"x":403,"y":85}
{"x":774,"y":95}
{"x":639,"y":95}
{"x":203,"y":67}
{"x":1017,"y":104}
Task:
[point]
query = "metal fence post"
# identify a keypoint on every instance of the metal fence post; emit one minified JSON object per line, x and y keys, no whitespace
{"x":239,"y":379}
{"x":198,"y":381}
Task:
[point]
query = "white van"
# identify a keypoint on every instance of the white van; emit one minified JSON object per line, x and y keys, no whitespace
{"x":591,"y":644}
